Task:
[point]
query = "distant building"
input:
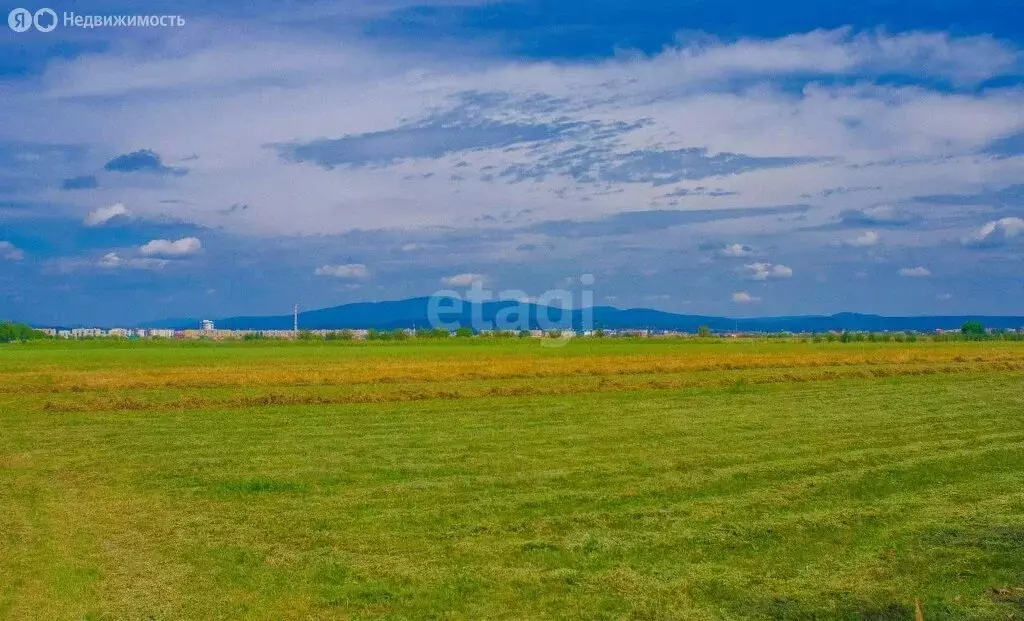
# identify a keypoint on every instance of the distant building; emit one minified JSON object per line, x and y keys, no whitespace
{"x":81,"y":333}
{"x":206,"y":325}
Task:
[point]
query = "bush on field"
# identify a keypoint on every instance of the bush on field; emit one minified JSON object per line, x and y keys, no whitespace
{"x":433,"y":333}
{"x":387,"y":335}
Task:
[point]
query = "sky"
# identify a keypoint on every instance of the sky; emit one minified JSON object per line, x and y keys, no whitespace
{"x":716,"y":157}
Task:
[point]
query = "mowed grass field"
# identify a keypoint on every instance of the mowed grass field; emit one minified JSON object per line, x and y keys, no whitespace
{"x":478,"y":479}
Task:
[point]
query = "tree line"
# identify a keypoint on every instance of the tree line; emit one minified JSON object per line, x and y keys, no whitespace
{"x":11,"y":332}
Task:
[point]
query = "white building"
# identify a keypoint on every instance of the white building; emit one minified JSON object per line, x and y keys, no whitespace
{"x":81,"y":333}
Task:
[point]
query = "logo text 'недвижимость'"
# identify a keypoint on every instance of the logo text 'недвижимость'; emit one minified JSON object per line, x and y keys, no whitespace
{"x":46,"y":20}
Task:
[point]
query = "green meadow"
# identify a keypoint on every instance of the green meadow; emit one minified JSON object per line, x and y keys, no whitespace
{"x":504,"y":479}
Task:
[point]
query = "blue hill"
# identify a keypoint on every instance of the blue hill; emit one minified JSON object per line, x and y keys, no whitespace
{"x":415,"y":313}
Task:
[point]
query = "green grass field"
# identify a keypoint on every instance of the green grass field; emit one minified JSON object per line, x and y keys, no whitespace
{"x":502,"y":479}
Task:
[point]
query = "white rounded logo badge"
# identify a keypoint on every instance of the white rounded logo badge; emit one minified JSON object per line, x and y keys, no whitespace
{"x":45,"y":20}
{"x":20,"y":20}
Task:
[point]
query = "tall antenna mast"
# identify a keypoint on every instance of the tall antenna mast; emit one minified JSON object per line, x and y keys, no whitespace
{"x":295,"y":321}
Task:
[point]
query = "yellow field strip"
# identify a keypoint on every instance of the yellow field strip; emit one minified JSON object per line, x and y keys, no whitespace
{"x":266,"y":395}
{"x":350,"y":371}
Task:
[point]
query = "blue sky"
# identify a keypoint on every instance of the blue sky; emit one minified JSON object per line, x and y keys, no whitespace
{"x":730,"y":157}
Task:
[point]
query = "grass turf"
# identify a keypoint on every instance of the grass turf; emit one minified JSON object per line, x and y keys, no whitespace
{"x":755,"y":486}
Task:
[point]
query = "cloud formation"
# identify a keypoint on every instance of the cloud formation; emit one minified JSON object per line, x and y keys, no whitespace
{"x":166,"y":248}
{"x":348,"y":271}
{"x":113,"y":260}
{"x":463,"y":280}
{"x":996,"y":233}
{"x":742,"y":297}
{"x":864,"y":240}
{"x":643,"y":167}
{"x":737,"y":250}
{"x":102,"y":215}
{"x":764,"y":271}
{"x":10,"y":251}
{"x":569,"y":141}
{"x":915,"y":272}
{"x":141,"y":161}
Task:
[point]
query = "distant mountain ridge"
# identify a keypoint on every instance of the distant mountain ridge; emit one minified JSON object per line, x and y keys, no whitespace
{"x":415,"y":313}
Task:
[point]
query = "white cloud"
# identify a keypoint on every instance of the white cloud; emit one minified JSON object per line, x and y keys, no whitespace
{"x":112,"y":260}
{"x":867,"y":238}
{"x":742,"y":297}
{"x":463,"y":280}
{"x":915,"y":272}
{"x":944,"y":296}
{"x":996,"y":232}
{"x":737,"y":250}
{"x":102,"y":215}
{"x":351,"y":271}
{"x":412,"y":247}
{"x":10,"y":251}
{"x":165,"y":248}
{"x":764,"y":271}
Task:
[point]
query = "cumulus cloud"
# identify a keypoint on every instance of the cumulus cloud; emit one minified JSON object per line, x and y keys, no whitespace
{"x":915,"y":272}
{"x":996,"y":232}
{"x":10,"y":251}
{"x":350,"y":271}
{"x":462,"y":280}
{"x":865,"y":239}
{"x":764,"y":271}
{"x":742,"y":297}
{"x":166,"y":248}
{"x":737,"y":250}
{"x":102,"y":215}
